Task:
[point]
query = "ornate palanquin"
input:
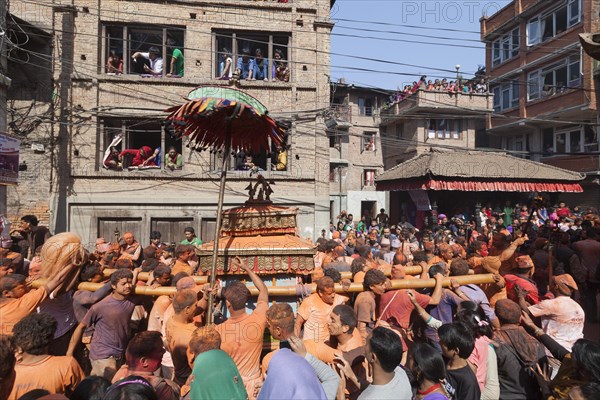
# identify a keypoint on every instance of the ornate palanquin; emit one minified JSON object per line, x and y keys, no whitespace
{"x":261,"y":234}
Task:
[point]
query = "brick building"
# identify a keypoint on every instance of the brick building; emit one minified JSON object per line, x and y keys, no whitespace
{"x":72,"y":102}
{"x":355,"y":150}
{"x":545,"y":87}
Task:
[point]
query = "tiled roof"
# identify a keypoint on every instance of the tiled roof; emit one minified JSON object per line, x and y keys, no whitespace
{"x":471,"y":164}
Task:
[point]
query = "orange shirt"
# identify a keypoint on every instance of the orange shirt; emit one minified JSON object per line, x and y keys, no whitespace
{"x":181,"y":266}
{"x":316,"y":314}
{"x":56,"y":374}
{"x":242,"y":339}
{"x":178,"y":336}
{"x":14,"y":310}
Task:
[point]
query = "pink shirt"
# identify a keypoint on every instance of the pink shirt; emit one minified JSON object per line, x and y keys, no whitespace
{"x":479,"y":359}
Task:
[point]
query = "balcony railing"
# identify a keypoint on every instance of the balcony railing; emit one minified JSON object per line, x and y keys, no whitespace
{"x":458,"y":102}
{"x":341,"y":113}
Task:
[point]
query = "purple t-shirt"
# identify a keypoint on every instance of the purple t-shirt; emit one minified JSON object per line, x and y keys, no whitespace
{"x":477,"y":295}
{"x":111,"y":320}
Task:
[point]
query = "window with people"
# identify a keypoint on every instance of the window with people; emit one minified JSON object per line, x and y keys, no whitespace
{"x":569,"y":140}
{"x":151,"y":51}
{"x":275,"y":158}
{"x":139,"y":145}
{"x":444,"y":129}
{"x":368,"y":141}
{"x":369,"y":177}
{"x":252,"y":56}
{"x":555,"y":78}
{"x":546,"y":26}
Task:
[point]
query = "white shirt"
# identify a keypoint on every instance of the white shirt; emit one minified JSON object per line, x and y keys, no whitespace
{"x":562,"y":319}
{"x":396,"y":389}
{"x":156,"y":65}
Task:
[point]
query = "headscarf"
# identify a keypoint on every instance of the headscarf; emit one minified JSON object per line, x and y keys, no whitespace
{"x":215,"y":376}
{"x":290,"y":376}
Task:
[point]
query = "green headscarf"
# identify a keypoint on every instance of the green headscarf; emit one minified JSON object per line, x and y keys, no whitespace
{"x":216,"y":377}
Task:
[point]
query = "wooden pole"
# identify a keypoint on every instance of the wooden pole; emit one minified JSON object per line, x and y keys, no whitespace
{"x":215,"y":255}
{"x":143,"y":276}
{"x":291,"y":291}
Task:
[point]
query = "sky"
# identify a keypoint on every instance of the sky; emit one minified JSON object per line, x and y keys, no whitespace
{"x":400,"y":40}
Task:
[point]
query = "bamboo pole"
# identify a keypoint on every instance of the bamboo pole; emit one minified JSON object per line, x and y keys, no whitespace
{"x":143,"y":276}
{"x":290,"y":291}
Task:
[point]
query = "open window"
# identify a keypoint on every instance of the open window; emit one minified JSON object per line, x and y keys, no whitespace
{"x":122,"y":42}
{"x":123,"y":138}
{"x":257,"y":55}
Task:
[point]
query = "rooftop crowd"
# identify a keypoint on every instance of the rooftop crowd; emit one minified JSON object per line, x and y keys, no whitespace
{"x":519,"y":337}
{"x":439,"y":85}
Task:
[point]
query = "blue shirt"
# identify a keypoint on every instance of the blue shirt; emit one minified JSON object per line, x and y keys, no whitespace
{"x":244,"y":67}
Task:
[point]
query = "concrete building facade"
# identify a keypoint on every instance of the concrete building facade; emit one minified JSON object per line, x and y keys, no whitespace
{"x":545,"y":87}
{"x":78,"y":105}
{"x":429,"y":119}
{"x":355,"y":150}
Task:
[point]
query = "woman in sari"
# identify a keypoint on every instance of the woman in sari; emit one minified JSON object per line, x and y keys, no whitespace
{"x":290,"y":376}
{"x":215,"y":376}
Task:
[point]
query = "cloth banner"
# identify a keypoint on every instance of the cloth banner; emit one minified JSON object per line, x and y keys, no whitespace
{"x":421,"y":199}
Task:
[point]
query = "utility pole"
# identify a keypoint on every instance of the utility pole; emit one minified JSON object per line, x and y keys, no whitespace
{"x":62,"y":142}
{"x":3,"y":89}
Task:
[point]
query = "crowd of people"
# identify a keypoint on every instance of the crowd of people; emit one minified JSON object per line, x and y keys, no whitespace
{"x":438,"y":85}
{"x":519,"y":336}
{"x":247,"y":66}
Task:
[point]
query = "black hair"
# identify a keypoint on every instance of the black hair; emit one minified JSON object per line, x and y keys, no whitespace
{"x":31,"y":219}
{"x":373,"y":277}
{"x":333,"y":274}
{"x":144,"y":344}
{"x":7,"y":357}
{"x":155,"y":235}
{"x":91,"y":388}
{"x":11,"y":281}
{"x":347,"y":316}
{"x":5,"y":262}
{"x":587,"y":355}
{"x":179,"y":276}
{"x":237,"y":294}
{"x":161,"y":269}
{"x":590,"y":391}
{"x":131,"y":388}
{"x":420,"y":256}
{"x":34,"y":333}
{"x":120,"y":274}
{"x":456,"y":336}
{"x":363,"y":250}
{"x":387,"y":346}
{"x":34,"y":394}
{"x":437,"y":269}
{"x":89,"y":271}
{"x":471,"y":315}
{"x":459,"y":267}
{"x":322,"y":245}
{"x":357,"y":265}
{"x":189,"y":229}
{"x":331,"y":245}
{"x":427,"y":363}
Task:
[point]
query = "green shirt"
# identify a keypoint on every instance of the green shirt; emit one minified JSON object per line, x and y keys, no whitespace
{"x":196,"y":241}
{"x":178,"y":67}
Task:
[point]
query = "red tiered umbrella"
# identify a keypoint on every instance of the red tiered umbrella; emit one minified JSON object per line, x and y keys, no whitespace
{"x":223,"y":118}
